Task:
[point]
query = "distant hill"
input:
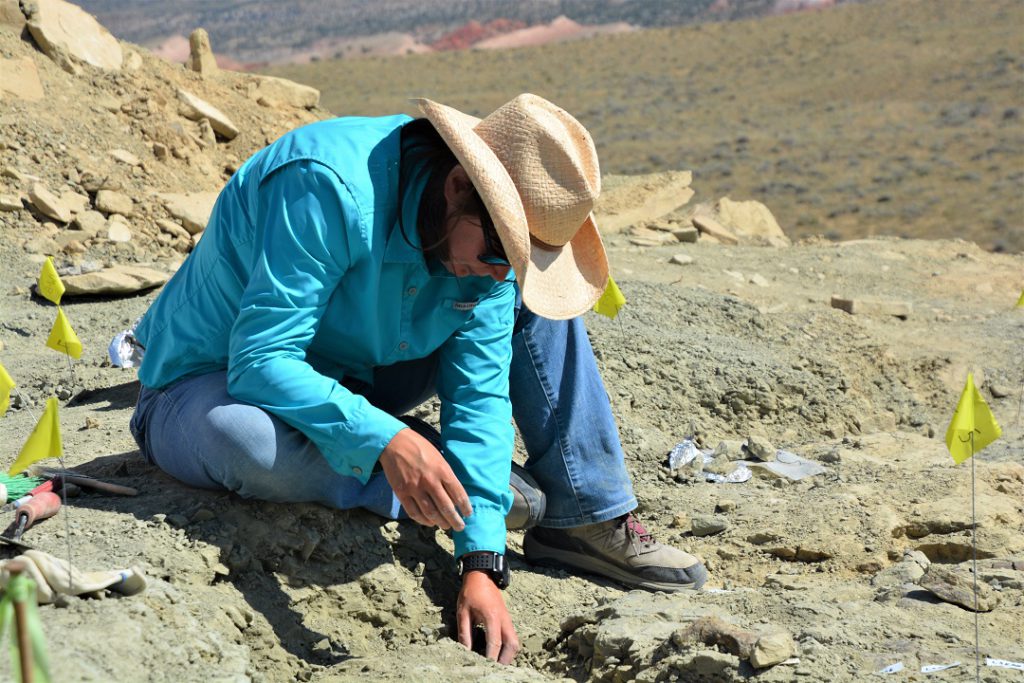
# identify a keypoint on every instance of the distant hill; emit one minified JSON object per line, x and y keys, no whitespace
{"x":903,"y":117}
{"x":275,"y":31}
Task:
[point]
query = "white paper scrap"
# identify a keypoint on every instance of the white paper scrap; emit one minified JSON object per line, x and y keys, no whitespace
{"x":892,"y":669}
{"x":932,"y":668}
{"x":1019,"y":666}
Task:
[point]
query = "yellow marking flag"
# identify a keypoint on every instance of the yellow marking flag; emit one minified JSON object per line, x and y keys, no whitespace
{"x":44,"y":442}
{"x":63,"y":338}
{"x":49,"y":283}
{"x":611,"y":301}
{"x":6,"y":384}
{"x":1020,"y":301}
{"x":972,"y":416}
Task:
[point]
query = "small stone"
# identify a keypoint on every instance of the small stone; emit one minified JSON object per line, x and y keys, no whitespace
{"x":206,"y":135}
{"x":159,"y":518}
{"x":173,"y":229}
{"x":956,"y":587}
{"x":760,"y":448}
{"x":772,"y":648}
{"x":89,"y":222}
{"x":91,"y":423}
{"x":118,"y":229}
{"x":74,"y":202}
{"x":679,"y":522}
{"x":281,"y":91}
{"x":731,"y":449}
{"x":10,"y":202}
{"x":710,"y":226}
{"x":725,"y":506}
{"x":707,"y":525}
{"x":48,"y":203}
{"x":999,"y":390}
{"x":192,"y":210}
{"x":110,"y":202}
{"x":201,"y":58}
{"x":899,"y":309}
{"x":195,"y":108}
{"x":681,"y":259}
{"x":721,"y":465}
{"x":759,"y":280}
{"x":160,"y":151}
{"x":125,"y":157}
{"x":686,"y":234}
{"x":203,"y":515}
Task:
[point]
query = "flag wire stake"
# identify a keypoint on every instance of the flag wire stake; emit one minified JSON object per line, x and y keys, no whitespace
{"x":67,"y":520}
{"x":974,"y":559}
{"x":25,"y":403}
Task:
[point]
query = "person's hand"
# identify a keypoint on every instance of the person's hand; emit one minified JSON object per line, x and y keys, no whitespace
{"x":424,"y":483}
{"x":481,"y":604}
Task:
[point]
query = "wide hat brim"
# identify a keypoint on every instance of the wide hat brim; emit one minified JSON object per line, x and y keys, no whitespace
{"x":556,"y":282}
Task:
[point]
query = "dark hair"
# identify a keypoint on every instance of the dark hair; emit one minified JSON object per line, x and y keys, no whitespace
{"x":425,"y":151}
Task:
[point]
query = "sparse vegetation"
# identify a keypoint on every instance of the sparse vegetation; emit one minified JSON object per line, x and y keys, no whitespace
{"x":899,"y":118}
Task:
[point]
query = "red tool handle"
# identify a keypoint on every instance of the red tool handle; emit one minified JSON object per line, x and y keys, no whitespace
{"x":41,"y":506}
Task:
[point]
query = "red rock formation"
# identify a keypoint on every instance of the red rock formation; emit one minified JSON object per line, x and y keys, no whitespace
{"x":473,"y":32}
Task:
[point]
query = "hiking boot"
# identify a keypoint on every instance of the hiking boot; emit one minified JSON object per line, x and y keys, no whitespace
{"x":528,"y":501}
{"x":619,"y":549}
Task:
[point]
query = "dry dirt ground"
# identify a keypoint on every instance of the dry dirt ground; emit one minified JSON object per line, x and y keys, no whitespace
{"x":741,"y":341}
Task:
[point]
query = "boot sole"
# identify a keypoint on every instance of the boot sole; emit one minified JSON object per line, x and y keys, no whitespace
{"x":548,"y":556}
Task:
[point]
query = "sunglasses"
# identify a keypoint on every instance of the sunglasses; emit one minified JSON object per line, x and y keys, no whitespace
{"x":494,"y":254}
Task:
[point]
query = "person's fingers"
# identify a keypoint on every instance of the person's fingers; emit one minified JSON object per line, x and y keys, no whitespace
{"x":428,"y":509}
{"x":446,"y":511}
{"x":493,"y":631}
{"x":465,"y":628}
{"x":509,"y":643}
{"x":457,"y":494}
{"x":432,"y":509}
{"x":412,"y":509}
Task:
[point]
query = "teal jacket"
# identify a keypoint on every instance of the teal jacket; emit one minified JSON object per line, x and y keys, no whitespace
{"x":303,"y":278}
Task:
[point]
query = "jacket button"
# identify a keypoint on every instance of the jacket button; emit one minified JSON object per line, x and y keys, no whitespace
{"x":403,"y":346}
{"x":411,"y":291}
{"x":357,"y":471}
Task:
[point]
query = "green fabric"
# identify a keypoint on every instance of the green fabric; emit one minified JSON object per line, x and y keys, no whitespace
{"x":19,"y":485}
{"x":22,"y":589}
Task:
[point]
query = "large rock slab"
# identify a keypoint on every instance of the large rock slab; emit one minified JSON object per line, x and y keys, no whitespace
{"x":196,"y":108}
{"x":118,"y":280}
{"x":11,"y":16}
{"x":20,"y":79}
{"x":191,"y":209}
{"x":61,"y":29}
{"x":280,"y":91}
{"x":751,"y":219}
{"x":628,"y":200}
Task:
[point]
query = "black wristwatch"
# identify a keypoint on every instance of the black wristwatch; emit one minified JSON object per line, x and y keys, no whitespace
{"x":492,"y":563}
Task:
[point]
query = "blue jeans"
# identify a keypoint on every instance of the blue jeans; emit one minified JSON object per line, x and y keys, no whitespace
{"x":196,"y":432}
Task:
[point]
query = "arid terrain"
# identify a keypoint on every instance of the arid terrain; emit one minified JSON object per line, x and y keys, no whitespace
{"x":113,"y":167}
{"x":883,"y":118}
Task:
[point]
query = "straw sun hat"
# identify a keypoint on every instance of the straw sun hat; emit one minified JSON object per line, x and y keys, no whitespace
{"x":535,"y":168}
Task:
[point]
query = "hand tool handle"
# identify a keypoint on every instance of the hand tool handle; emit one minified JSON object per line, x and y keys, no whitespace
{"x":40,"y":507}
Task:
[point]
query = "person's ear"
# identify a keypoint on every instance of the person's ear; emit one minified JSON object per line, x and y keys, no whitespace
{"x":457,"y":187}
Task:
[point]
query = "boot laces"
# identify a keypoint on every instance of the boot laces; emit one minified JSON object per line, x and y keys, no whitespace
{"x":636,"y":532}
